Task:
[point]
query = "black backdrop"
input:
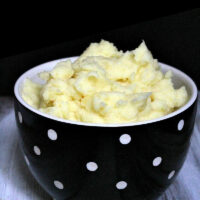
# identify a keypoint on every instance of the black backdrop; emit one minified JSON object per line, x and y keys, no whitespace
{"x":172,"y":39}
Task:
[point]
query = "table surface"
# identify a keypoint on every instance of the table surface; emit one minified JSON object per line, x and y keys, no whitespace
{"x":16,"y":182}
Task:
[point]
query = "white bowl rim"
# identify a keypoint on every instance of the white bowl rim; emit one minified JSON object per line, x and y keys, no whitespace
{"x":180,"y":110}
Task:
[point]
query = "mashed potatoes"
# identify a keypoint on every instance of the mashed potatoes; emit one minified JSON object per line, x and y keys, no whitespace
{"x":105,"y":85}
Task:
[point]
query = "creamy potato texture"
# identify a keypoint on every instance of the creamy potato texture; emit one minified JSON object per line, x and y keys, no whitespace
{"x":105,"y":85}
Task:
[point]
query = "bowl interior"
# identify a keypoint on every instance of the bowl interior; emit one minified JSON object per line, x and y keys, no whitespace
{"x":179,"y":79}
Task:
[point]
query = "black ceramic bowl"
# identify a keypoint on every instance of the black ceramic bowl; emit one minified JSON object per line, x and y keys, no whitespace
{"x":85,"y":161}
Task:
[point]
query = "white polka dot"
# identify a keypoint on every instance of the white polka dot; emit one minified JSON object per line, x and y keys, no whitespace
{"x":27,"y":161}
{"x":157,"y":161}
{"x":121,"y":185}
{"x":52,"y":134}
{"x":37,"y":150}
{"x":92,"y":166}
{"x":171,"y":174}
{"x":180,"y":124}
{"x":59,"y":185}
{"x":20,"y":117}
{"x":125,"y":139}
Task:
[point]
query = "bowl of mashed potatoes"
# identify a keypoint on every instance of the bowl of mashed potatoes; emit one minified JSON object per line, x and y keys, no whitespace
{"x":105,"y":125}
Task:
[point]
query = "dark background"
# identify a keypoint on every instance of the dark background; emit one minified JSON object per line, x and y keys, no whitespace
{"x":173,"y":36}
{"x":23,"y":33}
